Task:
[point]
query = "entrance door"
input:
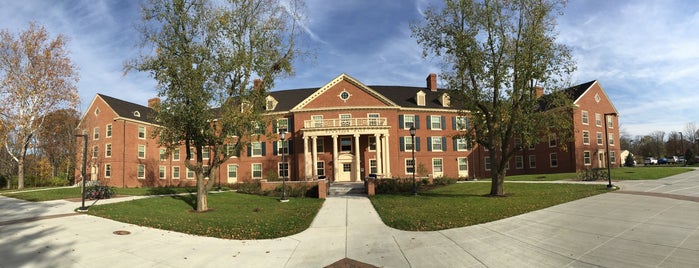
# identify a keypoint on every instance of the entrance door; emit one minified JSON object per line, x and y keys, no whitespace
{"x":345,"y":167}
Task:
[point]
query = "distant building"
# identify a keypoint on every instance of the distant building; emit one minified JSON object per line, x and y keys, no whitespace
{"x":343,"y":131}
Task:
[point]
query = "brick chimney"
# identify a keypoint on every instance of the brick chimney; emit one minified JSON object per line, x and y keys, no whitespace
{"x":432,"y":82}
{"x":153,"y":102}
{"x":538,"y":91}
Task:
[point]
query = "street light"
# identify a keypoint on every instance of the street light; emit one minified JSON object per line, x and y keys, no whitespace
{"x":609,"y":168}
{"x":83,"y":172}
{"x":412,"y":139}
{"x":282,"y":136}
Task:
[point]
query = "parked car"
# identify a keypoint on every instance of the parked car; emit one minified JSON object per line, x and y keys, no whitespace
{"x":662,"y":161}
{"x":650,"y":161}
{"x":672,"y":159}
{"x":680,"y":160}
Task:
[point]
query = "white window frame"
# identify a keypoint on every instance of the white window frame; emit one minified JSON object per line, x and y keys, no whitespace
{"x":587,"y":158}
{"x":317,"y":120}
{"x":373,"y":119}
{"x":205,"y":153}
{"x":162,"y":172}
{"x":598,"y":119}
{"x":462,"y":167}
{"x":372,"y":144}
{"x":175,"y":172}
{"x":406,"y":122}
{"x":142,"y":132}
{"x":552,"y":157}
{"x":283,"y":167}
{"x":600,"y":138}
{"x":611,"y":139}
{"x":255,"y":149}
{"x":190,"y":173}
{"x":96,"y":133}
{"x":373,"y":166}
{"x":141,"y":151}
{"x":283,"y":147}
{"x":232,"y":168}
{"x":141,"y":171}
{"x":552,"y":141}
{"x":487,"y":164}
{"x":532,"y":161}
{"x":437,"y":140}
{"x":320,"y":145}
{"x":612,"y":157}
{"x":350,"y":144}
{"x":519,"y":162}
{"x":345,"y":120}
{"x":95,"y":151}
{"x":108,"y":150}
{"x":462,"y":142}
{"x":162,"y":153}
{"x":437,"y":167}
{"x":407,"y":162}
{"x":585,"y":118}
{"x":176,"y":154}
{"x":408,"y":143}
{"x":107,"y":170}
{"x":320,"y":168}
{"x":108,"y":131}
{"x":284,"y":125}
{"x":253,"y":168}
{"x":438,"y":119}
{"x":610,"y":121}
{"x":461,"y":123}
{"x":586,"y":137}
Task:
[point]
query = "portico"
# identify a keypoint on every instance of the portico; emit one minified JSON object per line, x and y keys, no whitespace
{"x":347,"y":152}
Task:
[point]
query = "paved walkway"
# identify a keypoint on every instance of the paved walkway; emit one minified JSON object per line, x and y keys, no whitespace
{"x":646,"y":224}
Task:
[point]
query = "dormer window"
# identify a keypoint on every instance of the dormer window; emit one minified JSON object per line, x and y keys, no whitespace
{"x":445,"y":100}
{"x":420,"y":98}
{"x":136,"y":114}
{"x":271,"y":103}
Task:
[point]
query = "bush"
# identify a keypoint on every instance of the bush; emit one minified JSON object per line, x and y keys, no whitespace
{"x":394,"y":186}
{"x":249,"y":187}
{"x":443,"y":181}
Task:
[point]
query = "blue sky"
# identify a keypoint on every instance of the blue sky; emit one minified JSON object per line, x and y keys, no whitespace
{"x":644,"y":53}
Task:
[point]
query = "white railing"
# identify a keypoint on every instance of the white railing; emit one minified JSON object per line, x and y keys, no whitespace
{"x":349,"y":122}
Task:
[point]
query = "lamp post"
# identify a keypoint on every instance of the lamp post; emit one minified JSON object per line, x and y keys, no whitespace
{"x":82,"y":208}
{"x":282,"y":136}
{"x":412,"y":139}
{"x":609,"y":168}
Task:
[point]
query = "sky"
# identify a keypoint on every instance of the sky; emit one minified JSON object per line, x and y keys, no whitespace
{"x":645,"y":54}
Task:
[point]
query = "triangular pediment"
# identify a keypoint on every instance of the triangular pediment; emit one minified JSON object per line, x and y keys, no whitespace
{"x":344,"y":92}
{"x":595,"y":94}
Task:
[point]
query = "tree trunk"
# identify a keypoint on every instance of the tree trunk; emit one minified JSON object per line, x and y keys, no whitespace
{"x":20,"y":173}
{"x":497,"y":187}
{"x":202,"y":204}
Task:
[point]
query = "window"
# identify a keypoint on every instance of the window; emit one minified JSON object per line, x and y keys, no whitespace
{"x":141,"y":132}
{"x":437,"y":167}
{"x":141,"y":172}
{"x":176,"y":154}
{"x":372,"y":166}
{"x":161,"y":172}
{"x":586,"y":158}
{"x":409,"y":121}
{"x":283,"y":147}
{"x":598,"y":119}
{"x":230,"y":152}
{"x":345,"y":120}
{"x":461,"y":144}
{"x":108,"y":150}
{"x":97,"y":111}
{"x":463,"y":166}
{"x":320,"y":168}
{"x":553,"y":158}
{"x":205,"y":153}
{"x":141,"y":151}
{"x":373,"y":119}
{"x":282,"y":125}
{"x":409,"y":166}
{"x":585,"y":118}
{"x":518,"y":143}
{"x":552,"y":141}
{"x":372,"y":143}
{"x":437,"y":144}
{"x":319,"y":145}
{"x":611,"y":139}
{"x":232,"y":172}
{"x":462,"y":123}
{"x":317,"y":120}
{"x":109,"y":131}
{"x":532,"y":161}
{"x":612,"y":157}
{"x":256,"y":149}
{"x":610,"y":122}
{"x":586,"y":137}
{"x":96,"y":133}
{"x":344,"y":95}
{"x":175,"y":172}
{"x":95,"y":151}
{"x":283,"y":168}
{"x":408,"y":143}
{"x":600,"y":140}
{"x":519,"y":162}
{"x":190,"y":173}
{"x":257,"y":171}
{"x":259,"y":128}
{"x":107,"y":170}
{"x":347,"y":167}
{"x":421,"y":98}
{"x":346,"y":144}
{"x":163,"y":154}
{"x":487,"y":163}
{"x":435,"y":122}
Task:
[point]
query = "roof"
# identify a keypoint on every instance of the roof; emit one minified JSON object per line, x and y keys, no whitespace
{"x":575,"y":92}
{"x":128,"y":110}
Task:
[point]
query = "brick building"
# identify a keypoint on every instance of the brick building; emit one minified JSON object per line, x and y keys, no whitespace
{"x":343,"y":130}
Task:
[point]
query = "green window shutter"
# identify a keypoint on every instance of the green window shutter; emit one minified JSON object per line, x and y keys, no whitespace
{"x":454,"y":139}
{"x":249,"y":150}
{"x":402,"y":144}
{"x":417,"y":144}
{"x":274,"y":148}
{"x":444,"y":144}
{"x":453,"y":123}
{"x":264,"y":148}
{"x":429,"y":122}
{"x":291,"y":147}
{"x":417,"y":122}
{"x":444,"y":122}
{"x":401,"y":122}
{"x":429,"y":144}
{"x":274,"y":126}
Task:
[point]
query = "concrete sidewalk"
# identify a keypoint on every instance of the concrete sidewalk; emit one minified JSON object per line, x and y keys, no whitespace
{"x":644,"y":225}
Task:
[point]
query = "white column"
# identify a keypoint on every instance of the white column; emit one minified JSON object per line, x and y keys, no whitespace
{"x":314,"y":148}
{"x":379,"y":156}
{"x":357,"y":153}
{"x":306,"y":157}
{"x":335,"y":157}
{"x":387,"y":157}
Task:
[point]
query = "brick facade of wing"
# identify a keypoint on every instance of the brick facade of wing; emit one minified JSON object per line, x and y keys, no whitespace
{"x":342,"y":131}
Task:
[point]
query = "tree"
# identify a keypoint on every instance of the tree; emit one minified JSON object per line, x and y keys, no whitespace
{"x":36,"y":78}
{"x":57,"y":139}
{"x":206,"y":54}
{"x":497,"y":54}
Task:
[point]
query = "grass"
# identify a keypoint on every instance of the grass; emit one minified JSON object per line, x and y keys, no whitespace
{"x":38,"y":195}
{"x":625,"y":173}
{"x":233,"y":215}
{"x":465,"y":204}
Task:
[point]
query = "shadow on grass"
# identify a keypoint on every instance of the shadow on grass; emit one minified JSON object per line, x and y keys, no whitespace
{"x":453,"y":195}
{"x":190,"y":197}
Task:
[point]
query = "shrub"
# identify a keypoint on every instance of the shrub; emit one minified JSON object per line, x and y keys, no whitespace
{"x":443,"y":181}
{"x":249,"y":187}
{"x":394,"y":186}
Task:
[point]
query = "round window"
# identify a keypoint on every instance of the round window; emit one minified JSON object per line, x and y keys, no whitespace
{"x":344,"y":95}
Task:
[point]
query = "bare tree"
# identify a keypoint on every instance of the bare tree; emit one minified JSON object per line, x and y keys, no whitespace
{"x":36,"y":78}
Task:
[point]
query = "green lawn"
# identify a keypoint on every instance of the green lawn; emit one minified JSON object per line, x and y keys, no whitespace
{"x":465,"y":204}
{"x":74,"y":192}
{"x":625,"y":173}
{"x":233,"y":215}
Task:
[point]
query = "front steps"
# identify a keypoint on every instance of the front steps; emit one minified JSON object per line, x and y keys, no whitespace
{"x":346,"y":189}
